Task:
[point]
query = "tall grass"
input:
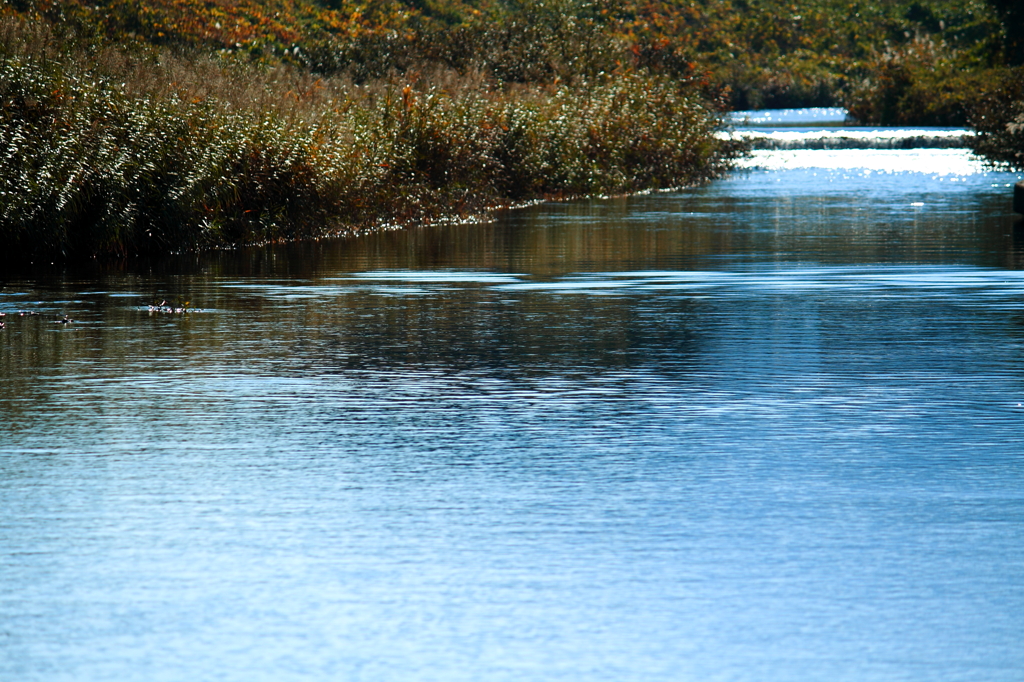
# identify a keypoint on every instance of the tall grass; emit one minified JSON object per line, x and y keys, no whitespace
{"x":102,"y":151}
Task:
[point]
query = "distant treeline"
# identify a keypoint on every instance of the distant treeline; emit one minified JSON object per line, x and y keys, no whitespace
{"x":890,"y":61}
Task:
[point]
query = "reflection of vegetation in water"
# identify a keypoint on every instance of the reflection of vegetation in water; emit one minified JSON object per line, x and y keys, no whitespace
{"x":467,"y":328}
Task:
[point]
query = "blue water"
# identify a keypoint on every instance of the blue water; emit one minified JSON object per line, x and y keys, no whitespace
{"x":791,"y":117}
{"x":767,"y":429}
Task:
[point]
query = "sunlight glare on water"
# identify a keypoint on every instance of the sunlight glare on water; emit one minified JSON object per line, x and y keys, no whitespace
{"x":930,"y":162}
{"x":774,"y":117}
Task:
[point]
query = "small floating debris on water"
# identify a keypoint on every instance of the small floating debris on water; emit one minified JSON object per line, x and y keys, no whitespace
{"x":178,"y":309}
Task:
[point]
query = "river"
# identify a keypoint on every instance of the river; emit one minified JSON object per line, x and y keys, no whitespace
{"x":768,"y":429}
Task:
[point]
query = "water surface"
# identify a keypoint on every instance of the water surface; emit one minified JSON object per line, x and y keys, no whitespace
{"x":766,"y":429}
{"x":791,"y":117}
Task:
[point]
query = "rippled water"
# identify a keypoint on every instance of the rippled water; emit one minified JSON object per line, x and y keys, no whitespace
{"x":790,"y":117}
{"x":767,"y":429}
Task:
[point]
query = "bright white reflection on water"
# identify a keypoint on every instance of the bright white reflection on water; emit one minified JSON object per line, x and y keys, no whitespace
{"x":769,"y":117}
{"x":765,"y":430}
{"x":933,"y":163}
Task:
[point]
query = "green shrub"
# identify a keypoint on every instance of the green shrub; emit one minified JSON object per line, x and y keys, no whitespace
{"x":998,"y":118}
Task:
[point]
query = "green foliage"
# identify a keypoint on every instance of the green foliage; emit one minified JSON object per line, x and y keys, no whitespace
{"x":998,"y":117}
{"x":919,"y":85}
{"x":558,"y":40}
{"x":1011,"y":13}
{"x":764,"y":53}
{"x":787,"y":53}
{"x":102,"y":152}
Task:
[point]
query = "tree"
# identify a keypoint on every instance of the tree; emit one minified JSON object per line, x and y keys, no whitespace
{"x":1011,"y":14}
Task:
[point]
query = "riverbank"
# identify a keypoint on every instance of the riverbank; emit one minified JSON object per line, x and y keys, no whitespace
{"x":999,"y":123}
{"x":167,"y":126}
{"x":117,"y":152}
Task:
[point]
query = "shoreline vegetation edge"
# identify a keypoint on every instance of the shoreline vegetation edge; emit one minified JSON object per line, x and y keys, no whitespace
{"x":172,"y":126}
{"x":104,"y":153}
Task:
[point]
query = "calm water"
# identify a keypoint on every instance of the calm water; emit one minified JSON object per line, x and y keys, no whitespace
{"x":769,"y":429}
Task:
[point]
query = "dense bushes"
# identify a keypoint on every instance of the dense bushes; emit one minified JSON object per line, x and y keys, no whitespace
{"x":101,"y":152}
{"x":919,"y":85}
{"x":165,"y":124}
{"x":998,"y":117}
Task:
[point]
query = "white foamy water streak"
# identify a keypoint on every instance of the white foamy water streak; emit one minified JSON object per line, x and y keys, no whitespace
{"x":997,"y":285}
{"x":853,"y":138}
{"x":934,"y":162}
{"x":812,"y":115}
